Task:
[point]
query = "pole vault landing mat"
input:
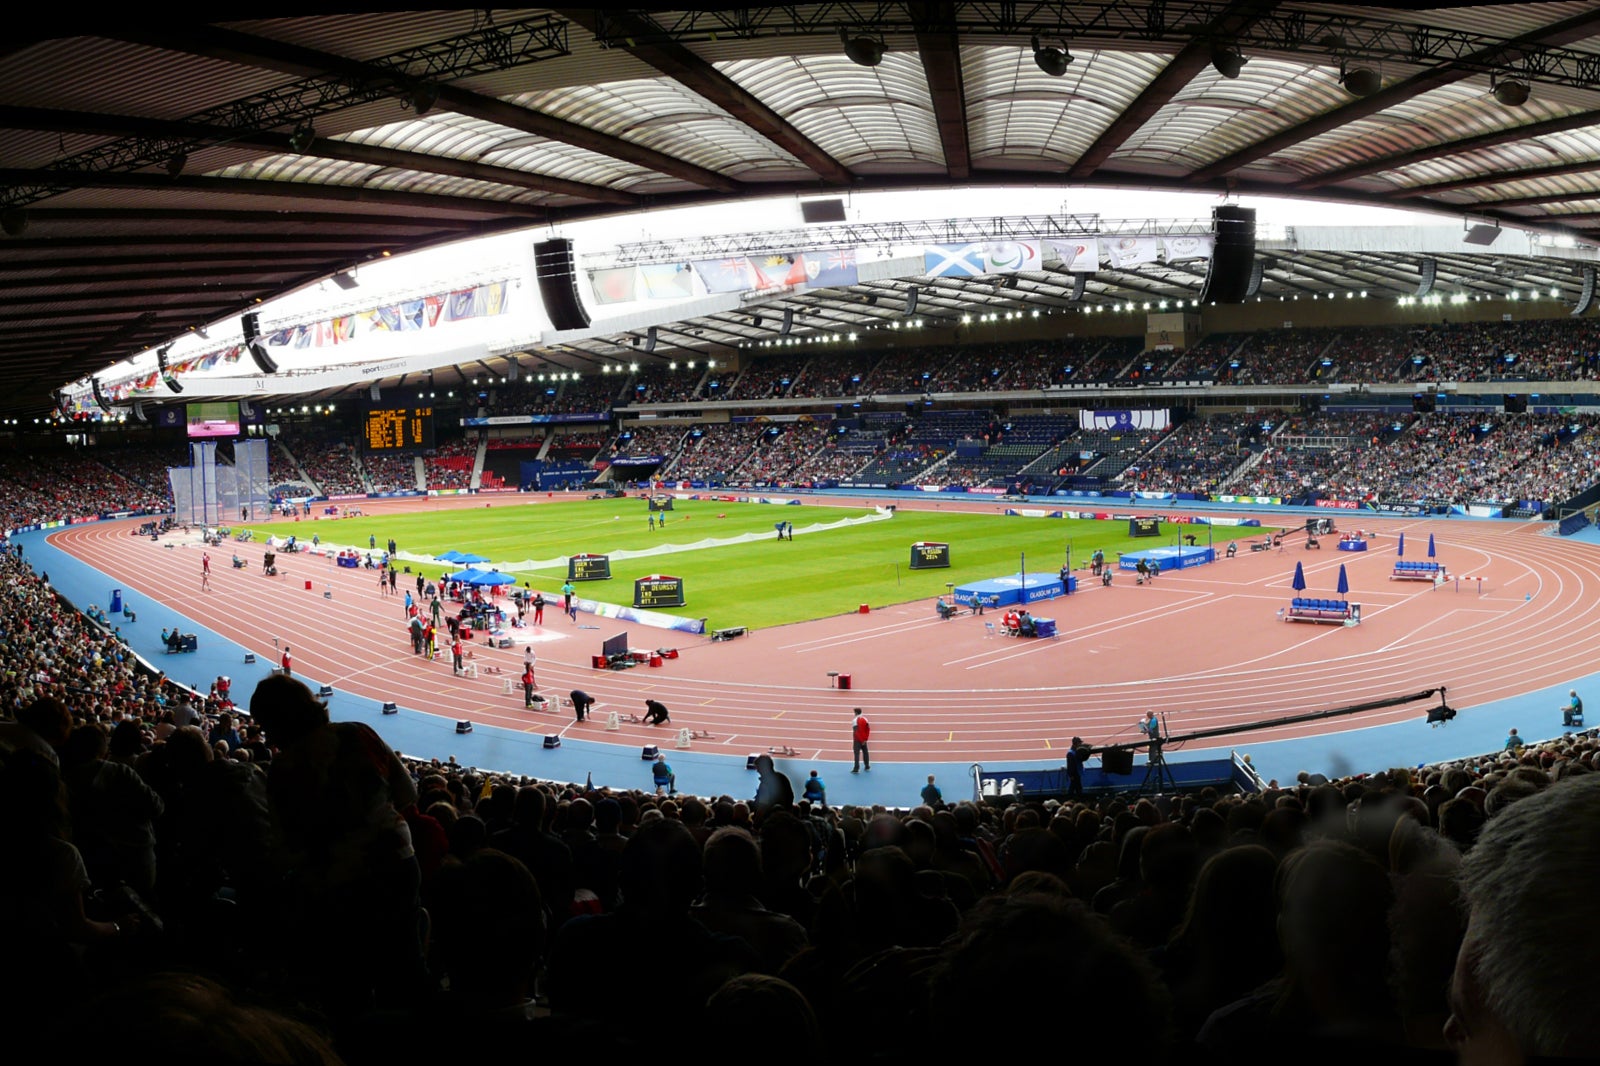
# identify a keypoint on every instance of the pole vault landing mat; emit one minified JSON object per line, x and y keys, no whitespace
{"x":1168,"y":558}
{"x":1010,"y":589}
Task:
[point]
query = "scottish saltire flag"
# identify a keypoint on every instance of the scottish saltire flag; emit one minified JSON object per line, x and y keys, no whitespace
{"x":1008,"y":257}
{"x":953,"y":260}
{"x":1131,"y":251}
{"x":1080,"y":255}
{"x":726,"y":275}
{"x":617,"y":286}
{"x":1187,"y":246}
{"x":667,"y":281}
{"x":831,"y":269}
{"x":1123,"y":421}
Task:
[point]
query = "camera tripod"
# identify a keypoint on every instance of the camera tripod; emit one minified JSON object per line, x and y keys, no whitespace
{"x":1157,"y":775}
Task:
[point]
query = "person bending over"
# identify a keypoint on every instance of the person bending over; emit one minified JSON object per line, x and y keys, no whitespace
{"x":655,"y":713}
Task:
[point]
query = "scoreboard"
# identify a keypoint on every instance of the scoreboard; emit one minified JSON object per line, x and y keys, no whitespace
{"x":929,"y":555}
{"x":1144,"y":527}
{"x":658,"y":590}
{"x":399,"y":426}
{"x":589,"y":568}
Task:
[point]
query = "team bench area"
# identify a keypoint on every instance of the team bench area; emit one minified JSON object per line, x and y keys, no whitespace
{"x":1418,"y":570}
{"x":1302,"y":609}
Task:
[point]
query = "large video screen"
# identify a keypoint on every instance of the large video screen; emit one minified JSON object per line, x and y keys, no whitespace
{"x":216,"y":419}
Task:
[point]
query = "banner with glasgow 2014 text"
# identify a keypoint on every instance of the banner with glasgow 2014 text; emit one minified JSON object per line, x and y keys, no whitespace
{"x":1124,"y":421}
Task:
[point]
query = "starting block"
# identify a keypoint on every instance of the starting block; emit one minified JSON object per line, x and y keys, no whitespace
{"x":783,"y":750}
{"x":631,"y":719}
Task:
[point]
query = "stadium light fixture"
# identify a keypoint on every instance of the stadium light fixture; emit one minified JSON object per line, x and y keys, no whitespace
{"x":1227,"y":60}
{"x":864,"y":49}
{"x":1511,"y":92}
{"x":1360,"y":80}
{"x":1052,"y":59}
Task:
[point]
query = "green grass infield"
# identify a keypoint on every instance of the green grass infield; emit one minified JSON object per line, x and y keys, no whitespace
{"x":759,"y":582}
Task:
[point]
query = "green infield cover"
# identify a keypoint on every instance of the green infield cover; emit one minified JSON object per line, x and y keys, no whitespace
{"x":763,"y":582}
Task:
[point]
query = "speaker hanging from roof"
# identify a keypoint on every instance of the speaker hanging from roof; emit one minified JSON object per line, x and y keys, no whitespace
{"x":374,"y":394}
{"x":245,"y":410}
{"x":138,"y":411}
{"x":911,"y":299}
{"x":650,"y":339}
{"x":1080,"y":285}
{"x":167,"y":376}
{"x":1228,"y":276}
{"x":788,"y":322}
{"x":1425,"y":275}
{"x":99,"y":397}
{"x":250,"y":323}
{"x":1258,"y":271}
{"x":556,"y":270}
{"x":1586,"y":297}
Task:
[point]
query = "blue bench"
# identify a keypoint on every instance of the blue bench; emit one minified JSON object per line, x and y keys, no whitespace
{"x":1305,"y":609}
{"x":1417,"y":570}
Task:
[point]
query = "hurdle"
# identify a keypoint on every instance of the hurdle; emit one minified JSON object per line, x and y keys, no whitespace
{"x":1460,"y":579}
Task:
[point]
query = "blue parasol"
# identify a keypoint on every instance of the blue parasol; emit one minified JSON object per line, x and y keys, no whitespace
{"x":1344,"y":581}
{"x":1299,"y":581}
{"x":467,"y":558}
{"x":451,"y":556}
{"x":1430,"y":545}
{"x":1402,"y":551}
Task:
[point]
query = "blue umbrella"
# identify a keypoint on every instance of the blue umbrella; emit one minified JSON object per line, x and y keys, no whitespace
{"x":1430,"y":545}
{"x":1299,"y":581}
{"x":1344,"y":581}
{"x":451,"y":556}
{"x":1402,"y":544}
{"x":467,"y":559}
{"x":492,"y":577}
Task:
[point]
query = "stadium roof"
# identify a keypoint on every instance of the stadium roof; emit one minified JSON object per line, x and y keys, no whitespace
{"x":161,"y":175}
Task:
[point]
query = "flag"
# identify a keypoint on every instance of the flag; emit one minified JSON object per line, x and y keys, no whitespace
{"x":1080,"y":255}
{"x":493,"y":298}
{"x":726,"y":275}
{"x":1131,"y":251}
{"x":617,"y":286}
{"x":1008,"y":257}
{"x":411,"y":314}
{"x":832,"y":269}
{"x":1177,"y":249}
{"x":462,"y":304}
{"x":667,"y":281}
{"x":953,"y":260}
{"x":778,"y":270}
{"x":431,"y":307}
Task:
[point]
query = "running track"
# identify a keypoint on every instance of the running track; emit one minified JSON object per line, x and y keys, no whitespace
{"x":1204,"y":645}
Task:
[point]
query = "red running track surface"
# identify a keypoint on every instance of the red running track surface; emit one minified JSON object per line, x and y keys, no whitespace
{"x":1204,"y":645}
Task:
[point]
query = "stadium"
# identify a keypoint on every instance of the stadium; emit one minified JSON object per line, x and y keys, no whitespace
{"x":482,"y":487}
